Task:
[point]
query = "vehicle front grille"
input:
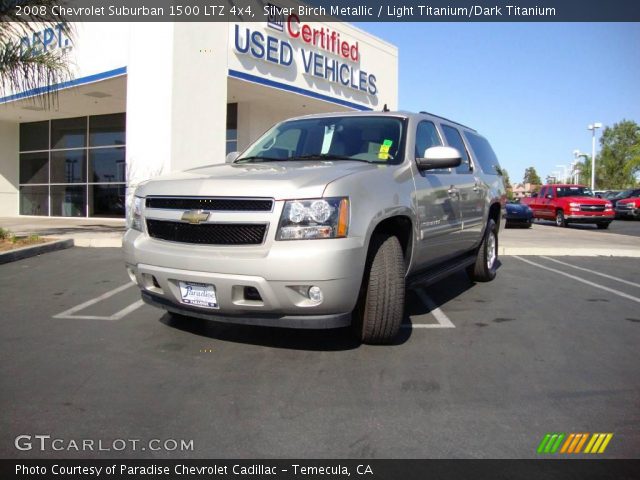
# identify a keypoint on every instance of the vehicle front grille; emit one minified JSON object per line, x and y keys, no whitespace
{"x":213,"y":204}
{"x":625,"y":206}
{"x":208,"y":233}
{"x":592,"y":208}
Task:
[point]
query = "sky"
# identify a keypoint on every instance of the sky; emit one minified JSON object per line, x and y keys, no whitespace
{"x":530,"y":88}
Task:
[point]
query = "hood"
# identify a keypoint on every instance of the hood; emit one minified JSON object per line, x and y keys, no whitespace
{"x":629,"y":200}
{"x":517,"y":207}
{"x":278,"y":180}
{"x":586,"y":200}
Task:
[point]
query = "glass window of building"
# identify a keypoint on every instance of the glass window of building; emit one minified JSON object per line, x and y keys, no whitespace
{"x":74,"y":167}
{"x":232,"y":127}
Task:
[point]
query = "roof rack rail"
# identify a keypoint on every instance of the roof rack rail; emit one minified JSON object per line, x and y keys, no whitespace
{"x":443,"y":118}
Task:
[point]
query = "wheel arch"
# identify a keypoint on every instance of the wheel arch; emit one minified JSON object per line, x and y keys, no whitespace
{"x":401,"y":226}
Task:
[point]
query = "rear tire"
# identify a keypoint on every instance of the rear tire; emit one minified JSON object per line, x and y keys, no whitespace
{"x":560,"y":220}
{"x":380,"y":308}
{"x":484,"y":269}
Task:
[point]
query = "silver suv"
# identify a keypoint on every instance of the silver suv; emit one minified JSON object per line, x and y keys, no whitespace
{"x":321,"y":223}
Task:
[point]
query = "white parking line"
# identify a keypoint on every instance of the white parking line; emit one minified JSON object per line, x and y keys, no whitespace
{"x":611,"y":277}
{"x":582,"y":280}
{"x":442,"y":319}
{"x":116,"y":316}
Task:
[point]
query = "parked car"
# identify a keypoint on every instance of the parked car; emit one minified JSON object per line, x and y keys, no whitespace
{"x":518,"y":215}
{"x":628,"y":208}
{"x":609,"y":194}
{"x":566,"y":203}
{"x":631,"y":193}
{"x":320,"y":223}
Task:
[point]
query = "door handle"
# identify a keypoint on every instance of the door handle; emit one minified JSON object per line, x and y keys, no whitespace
{"x":476,"y":186}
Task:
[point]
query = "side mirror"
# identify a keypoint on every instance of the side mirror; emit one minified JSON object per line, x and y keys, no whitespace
{"x":439,"y":157}
{"x":231,"y":157}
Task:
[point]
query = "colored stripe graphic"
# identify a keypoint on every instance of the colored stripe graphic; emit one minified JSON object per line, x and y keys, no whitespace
{"x":598,"y":443}
{"x":550,"y":442}
{"x":567,"y":442}
{"x":572,"y":443}
{"x":581,"y":443}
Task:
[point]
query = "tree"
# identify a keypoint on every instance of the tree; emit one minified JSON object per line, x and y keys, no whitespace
{"x":505,"y":177}
{"x":618,"y":164}
{"x":27,"y":65}
{"x":531,"y":176}
{"x":507,"y":182}
{"x":584,"y":168}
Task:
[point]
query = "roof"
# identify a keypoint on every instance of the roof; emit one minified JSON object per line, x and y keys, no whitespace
{"x":380,"y":113}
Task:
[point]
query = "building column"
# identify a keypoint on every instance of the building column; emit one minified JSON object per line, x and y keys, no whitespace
{"x":176,"y":98}
{"x":9,"y":172}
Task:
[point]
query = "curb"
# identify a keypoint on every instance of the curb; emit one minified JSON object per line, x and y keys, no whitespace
{"x":98,"y":242}
{"x":568,"y":252}
{"x":32,"y":251}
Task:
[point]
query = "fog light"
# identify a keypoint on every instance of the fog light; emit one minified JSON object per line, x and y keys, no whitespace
{"x":315,"y":294}
{"x":132,"y":275}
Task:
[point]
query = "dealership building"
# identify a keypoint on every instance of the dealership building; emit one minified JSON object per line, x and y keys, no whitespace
{"x":150,"y":98}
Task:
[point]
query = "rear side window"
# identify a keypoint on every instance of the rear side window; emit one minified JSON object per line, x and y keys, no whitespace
{"x":483,"y":153}
{"x":455,"y":140}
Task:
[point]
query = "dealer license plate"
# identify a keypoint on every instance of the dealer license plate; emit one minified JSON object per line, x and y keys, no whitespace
{"x":198,"y":294}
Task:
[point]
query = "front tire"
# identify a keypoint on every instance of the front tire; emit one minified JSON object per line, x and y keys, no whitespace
{"x":380,"y":308}
{"x":561,"y":221}
{"x":485,"y":267}
{"x":602,"y":226}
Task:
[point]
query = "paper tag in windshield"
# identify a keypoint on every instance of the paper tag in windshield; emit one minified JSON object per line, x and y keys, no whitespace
{"x":383,"y":154}
{"x":327,"y":139}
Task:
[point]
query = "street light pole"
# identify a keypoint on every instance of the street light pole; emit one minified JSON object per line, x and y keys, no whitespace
{"x":593,"y":128}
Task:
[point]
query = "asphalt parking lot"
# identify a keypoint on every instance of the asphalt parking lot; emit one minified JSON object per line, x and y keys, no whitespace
{"x":479,"y":371}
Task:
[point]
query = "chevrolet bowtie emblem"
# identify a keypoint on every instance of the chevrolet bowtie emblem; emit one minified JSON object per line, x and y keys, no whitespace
{"x":195,"y":216}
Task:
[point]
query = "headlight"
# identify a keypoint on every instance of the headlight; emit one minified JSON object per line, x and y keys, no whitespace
{"x":608,"y":206}
{"x":574,"y":204}
{"x":315,"y":218}
{"x":135,"y":213}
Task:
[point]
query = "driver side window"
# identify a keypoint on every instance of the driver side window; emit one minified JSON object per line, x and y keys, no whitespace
{"x":426,"y":137}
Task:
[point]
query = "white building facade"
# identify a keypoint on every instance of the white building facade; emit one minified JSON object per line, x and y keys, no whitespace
{"x":150,"y":98}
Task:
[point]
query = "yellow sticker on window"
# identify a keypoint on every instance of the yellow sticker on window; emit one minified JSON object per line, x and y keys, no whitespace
{"x":383,"y":153}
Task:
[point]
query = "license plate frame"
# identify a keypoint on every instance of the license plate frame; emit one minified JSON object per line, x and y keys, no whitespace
{"x":198,"y":294}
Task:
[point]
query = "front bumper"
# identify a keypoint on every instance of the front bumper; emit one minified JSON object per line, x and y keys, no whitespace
{"x":264,"y":320}
{"x":577,"y":218}
{"x":628,"y":212}
{"x":279,"y":271}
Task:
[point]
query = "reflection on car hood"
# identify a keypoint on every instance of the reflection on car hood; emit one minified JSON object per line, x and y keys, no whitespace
{"x":279,"y":180}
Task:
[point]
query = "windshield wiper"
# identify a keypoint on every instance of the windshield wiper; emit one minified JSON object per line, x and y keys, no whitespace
{"x":325,"y":156}
{"x":258,"y":158}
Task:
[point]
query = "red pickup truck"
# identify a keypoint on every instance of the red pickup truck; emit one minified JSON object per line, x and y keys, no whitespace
{"x":570,"y":204}
{"x":628,"y":208}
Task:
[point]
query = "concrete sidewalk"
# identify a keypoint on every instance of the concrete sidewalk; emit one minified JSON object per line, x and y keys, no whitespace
{"x":541,"y":239}
{"x":548,"y":239}
{"x":85,"y":232}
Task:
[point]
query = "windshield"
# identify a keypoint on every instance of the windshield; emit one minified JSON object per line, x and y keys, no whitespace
{"x":366,"y":139}
{"x":624,"y":194}
{"x":574,"y":191}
